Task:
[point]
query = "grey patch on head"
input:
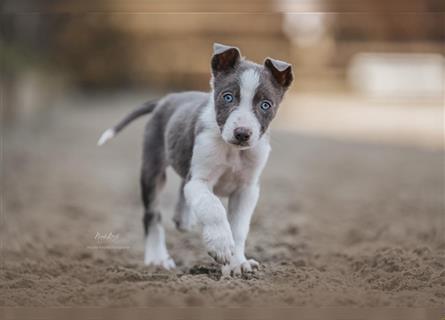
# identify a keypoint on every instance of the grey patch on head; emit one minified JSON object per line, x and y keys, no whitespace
{"x":275,"y":78}
{"x":270,"y":91}
{"x":229,"y":82}
{"x":227,"y":67}
{"x":225,"y":63}
{"x":269,"y":88}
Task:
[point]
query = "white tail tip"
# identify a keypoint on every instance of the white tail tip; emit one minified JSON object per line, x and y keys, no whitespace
{"x":107,"y":135}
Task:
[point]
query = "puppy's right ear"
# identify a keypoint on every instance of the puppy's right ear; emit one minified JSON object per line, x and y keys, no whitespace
{"x":225,"y":58}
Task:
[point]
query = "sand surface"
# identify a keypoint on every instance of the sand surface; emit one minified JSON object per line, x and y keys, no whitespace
{"x":337,"y":224}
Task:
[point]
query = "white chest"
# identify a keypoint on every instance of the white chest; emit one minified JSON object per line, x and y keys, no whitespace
{"x":237,"y":170}
{"x":225,"y":168}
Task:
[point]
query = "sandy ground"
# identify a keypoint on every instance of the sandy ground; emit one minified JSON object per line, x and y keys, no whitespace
{"x":337,"y":224}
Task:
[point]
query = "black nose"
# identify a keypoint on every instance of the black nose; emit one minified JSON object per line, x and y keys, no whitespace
{"x":242,"y":134}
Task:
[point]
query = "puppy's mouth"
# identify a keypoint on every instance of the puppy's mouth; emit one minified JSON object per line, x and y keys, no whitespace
{"x":240,"y":144}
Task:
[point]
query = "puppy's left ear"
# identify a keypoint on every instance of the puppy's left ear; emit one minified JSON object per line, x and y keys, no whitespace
{"x":225,"y":58}
{"x":281,"y":71}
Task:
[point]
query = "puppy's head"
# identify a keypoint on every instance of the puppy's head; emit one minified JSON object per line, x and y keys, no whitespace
{"x":246,"y":94}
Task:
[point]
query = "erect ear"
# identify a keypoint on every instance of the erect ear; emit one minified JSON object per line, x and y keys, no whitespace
{"x":225,"y":58}
{"x":281,"y":71}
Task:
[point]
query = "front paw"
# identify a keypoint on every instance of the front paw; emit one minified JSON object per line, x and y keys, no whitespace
{"x":165,"y":262}
{"x":238,"y":266}
{"x":219,"y":242}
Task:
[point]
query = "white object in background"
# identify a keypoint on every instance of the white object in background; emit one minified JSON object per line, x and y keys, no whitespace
{"x":393,"y":75}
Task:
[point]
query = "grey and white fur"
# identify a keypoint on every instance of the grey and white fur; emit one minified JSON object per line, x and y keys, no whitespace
{"x":218,"y":142}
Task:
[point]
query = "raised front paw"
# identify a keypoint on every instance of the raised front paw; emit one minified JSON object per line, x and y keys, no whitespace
{"x":238,"y":267}
{"x":219,"y":242}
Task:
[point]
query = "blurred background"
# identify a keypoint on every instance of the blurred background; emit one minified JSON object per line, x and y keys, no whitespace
{"x":364,"y":70}
{"x":352,"y":205}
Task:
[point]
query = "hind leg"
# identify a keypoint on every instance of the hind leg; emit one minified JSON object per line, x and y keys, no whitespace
{"x":152,"y":180}
{"x":184,"y":218}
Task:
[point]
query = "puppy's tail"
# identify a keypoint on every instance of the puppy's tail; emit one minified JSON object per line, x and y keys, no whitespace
{"x":146,"y":108}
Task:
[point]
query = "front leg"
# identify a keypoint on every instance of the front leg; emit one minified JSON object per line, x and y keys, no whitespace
{"x":241,"y":206}
{"x":210,"y":213}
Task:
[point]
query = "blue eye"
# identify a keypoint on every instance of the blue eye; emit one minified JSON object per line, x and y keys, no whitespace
{"x":265,"y":105}
{"x":228,"y":97}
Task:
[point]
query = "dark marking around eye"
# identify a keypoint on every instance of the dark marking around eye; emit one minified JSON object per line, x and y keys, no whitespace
{"x":265,"y":105}
{"x":228,"y":97}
